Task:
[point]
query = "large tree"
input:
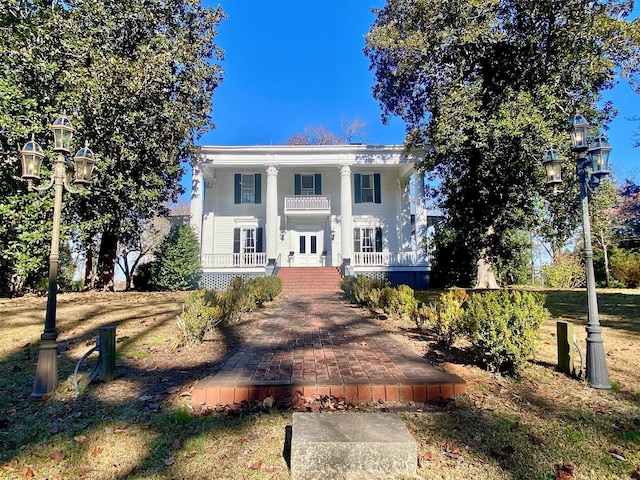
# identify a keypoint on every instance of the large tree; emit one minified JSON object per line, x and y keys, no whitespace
{"x":137,"y":79}
{"x":490,"y":85}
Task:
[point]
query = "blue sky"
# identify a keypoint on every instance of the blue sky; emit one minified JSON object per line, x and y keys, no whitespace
{"x":292,"y":63}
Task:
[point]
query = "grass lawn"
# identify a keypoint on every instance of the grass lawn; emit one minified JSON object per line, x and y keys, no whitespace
{"x":542,"y":425}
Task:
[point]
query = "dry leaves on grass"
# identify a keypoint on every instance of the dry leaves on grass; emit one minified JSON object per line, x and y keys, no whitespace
{"x":56,"y":455}
{"x":564,"y":471}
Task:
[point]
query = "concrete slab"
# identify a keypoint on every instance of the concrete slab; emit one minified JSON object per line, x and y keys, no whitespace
{"x":348,"y":445}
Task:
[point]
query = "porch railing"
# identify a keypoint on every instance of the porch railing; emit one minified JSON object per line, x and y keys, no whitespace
{"x":233,"y":259}
{"x":385,"y":259}
{"x":307,"y":203}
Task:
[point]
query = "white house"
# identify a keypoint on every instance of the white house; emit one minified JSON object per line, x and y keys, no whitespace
{"x":256,"y":209}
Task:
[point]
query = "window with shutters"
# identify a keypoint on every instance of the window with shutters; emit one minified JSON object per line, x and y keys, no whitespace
{"x":367,"y":188}
{"x":367,"y":240}
{"x":247,"y":188}
{"x":307,"y":184}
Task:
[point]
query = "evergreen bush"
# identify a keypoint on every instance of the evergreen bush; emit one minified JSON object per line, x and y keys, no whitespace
{"x":504,"y":326}
{"x":566,"y":271}
{"x":177,"y":263}
{"x":625,"y":266}
{"x":399,"y":301}
{"x":201,"y":313}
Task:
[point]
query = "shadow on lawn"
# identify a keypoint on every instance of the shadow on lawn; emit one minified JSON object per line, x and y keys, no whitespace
{"x":497,"y":437}
{"x":619,"y":311}
{"x":31,"y":427}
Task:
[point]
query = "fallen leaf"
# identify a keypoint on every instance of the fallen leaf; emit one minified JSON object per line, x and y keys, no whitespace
{"x":28,"y":473}
{"x":564,"y":471}
{"x":96,"y":451}
{"x":172,"y":389}
{"x":169,"y":461}
{"x":122,"y":426}
{"x":618,"y":456}
{"x":257,"y":465}
{"x":536,"y":440}
{"x":109,"y":430}
{"x":175,"y":445}
{"x":426,"y":457}
{"x":56,"y":455}
{"x":7,"y":469}
{"x":80,"y":438}
{"x":509,"y":450}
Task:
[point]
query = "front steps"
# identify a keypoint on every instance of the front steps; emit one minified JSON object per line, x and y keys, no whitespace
{"x":310,"y":279}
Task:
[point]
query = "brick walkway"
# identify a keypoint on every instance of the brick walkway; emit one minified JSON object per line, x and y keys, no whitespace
{"x":319,"y":345}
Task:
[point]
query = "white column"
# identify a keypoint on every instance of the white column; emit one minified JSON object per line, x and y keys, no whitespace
{"x":421,"y":215}
{"x":197,"y":198}
{"x":346,"y":223}
{"x":271,"y":227}
{"x":404,"y":216}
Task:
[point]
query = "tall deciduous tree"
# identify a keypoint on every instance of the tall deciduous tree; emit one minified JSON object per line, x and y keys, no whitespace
{"x":137,"y":79}
{"x":604,"y":217}
{"x":490,"y":85}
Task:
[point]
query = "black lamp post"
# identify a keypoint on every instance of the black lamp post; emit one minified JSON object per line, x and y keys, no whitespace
{"x":591,"y":167}
{"x":46,"y":378}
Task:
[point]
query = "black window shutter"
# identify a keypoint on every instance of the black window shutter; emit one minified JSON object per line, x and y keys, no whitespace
{"x":258,"y":188}
{"x":297,"y":184}
{"x":259,"y":241}
{"x":378,"y":239}
{"x":357,"y":188}
{"x":376,"y":188}
{"x":318,"y":185}
{"x":356,"y":240}
{"x":237,"y":193}
{"x":236,"y":240}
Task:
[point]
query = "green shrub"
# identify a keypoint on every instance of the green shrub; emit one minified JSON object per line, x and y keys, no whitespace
{"x":424,"y":316}
{"x":359,"y":289}
{"x":399,"y":301}
{"x":201,"y":312}
{"x":504,"y":326}
{"x":625,"y":266}
{"x":566,"y":271}
{"x":272,"y":287}
{"x":177,"y":264}
{"x":236,"y":300}
{"x":450,"y":319}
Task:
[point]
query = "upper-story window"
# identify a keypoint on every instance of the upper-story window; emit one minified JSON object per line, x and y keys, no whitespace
{"x":367,"y":188}
{"x":247,"y":188}
{"x":307,"y":184}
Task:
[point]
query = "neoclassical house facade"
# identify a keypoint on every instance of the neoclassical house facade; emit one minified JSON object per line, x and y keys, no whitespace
{"x":359,"y":208}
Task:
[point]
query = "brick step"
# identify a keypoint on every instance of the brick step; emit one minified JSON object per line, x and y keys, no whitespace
{"x":310,"y":279}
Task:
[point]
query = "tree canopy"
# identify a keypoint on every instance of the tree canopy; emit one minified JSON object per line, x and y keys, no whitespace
{"x":137,"y":80}
{"x":490,"y":85}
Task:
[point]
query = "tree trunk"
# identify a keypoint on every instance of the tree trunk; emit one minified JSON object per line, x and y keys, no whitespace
{"x":486,"y":278}
{"x":107,"y":260}
{"x":89,"y":277}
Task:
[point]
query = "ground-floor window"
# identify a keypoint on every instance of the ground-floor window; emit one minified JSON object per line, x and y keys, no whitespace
{"x":367,"y":240}
{"x":247,"y":241}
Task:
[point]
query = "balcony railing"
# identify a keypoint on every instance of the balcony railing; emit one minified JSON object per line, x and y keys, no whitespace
{"x":233,"y":260}
{"x":386,"y":259}
{"x":307,"y":204}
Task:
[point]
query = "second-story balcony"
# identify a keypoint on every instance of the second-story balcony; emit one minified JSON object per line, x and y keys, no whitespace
{"x":307,"y":205}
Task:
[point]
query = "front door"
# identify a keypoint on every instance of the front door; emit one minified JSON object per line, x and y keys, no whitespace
{"x":309,"y":248}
